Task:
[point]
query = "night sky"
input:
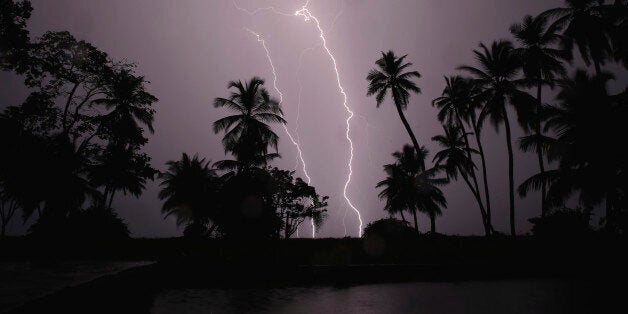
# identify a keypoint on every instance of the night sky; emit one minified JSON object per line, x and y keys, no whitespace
{"x":189,"y":50}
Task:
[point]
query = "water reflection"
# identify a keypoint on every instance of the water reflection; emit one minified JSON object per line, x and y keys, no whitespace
{"x":468,"y":297}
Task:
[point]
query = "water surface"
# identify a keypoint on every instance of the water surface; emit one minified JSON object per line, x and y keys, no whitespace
{"x":521,"y":296}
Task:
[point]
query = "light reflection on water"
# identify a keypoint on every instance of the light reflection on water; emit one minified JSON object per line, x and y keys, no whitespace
{"x":531,"y":296}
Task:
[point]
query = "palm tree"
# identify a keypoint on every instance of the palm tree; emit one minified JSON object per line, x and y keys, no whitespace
{"x":397,"y":191}
{"x":390,"y":76}
{"x":430,"y":198}
{"x":120,"y":169}
{"x":455,"y":160}
{"x":457,"y":104}
{"x":130,"y":108}
{"x":584,"y":24}
{"x":407,"y":187}
{"x":541,"y":64}
{"x":495,"y":77}
{"x":189,"y":189}
{"x":247,"y":134}
{"x":589,"y":123}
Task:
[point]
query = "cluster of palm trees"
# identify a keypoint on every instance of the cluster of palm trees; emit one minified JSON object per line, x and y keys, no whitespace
{"x":241,"y":197}
{"x":577,"y":134}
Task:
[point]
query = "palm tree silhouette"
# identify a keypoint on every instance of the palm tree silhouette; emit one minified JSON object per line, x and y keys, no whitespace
{"x":585,"y":25}
{"x":455,"y":159}
{"x":541,"y":64}
{"x":130,"y":107}
{"x":189,"y":189}
{"x":457,"y":104}
{"x":247,"y":134}
{"x":407,"y":187}
{"x":120,"y":169}
{"x":496,"y":79}
{"x":390,"y":76}
{"x":588,"y":123}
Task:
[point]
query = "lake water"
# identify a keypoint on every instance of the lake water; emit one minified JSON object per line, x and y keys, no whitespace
{"x":527,"y":296}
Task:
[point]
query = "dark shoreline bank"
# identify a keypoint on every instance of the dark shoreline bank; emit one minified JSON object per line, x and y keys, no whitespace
{"x":332,"y":262}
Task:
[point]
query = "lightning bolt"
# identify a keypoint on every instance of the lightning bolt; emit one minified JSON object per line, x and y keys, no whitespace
{"x":307,"y":16}
{"x":292,"y":139}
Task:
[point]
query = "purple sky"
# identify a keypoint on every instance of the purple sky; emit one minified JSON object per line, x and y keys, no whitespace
{"x":189,"y":50}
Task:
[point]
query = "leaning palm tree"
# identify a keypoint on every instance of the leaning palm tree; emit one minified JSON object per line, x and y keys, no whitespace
{"x":542,"y":65}
{"x":189,"y":189}
{"x":585,"y":24}
{"x":391,"y":77}
{"x":496,"y":79}
{"x":455,"y":159}
{"x":247,"y":133}
{"x":457,"y":106}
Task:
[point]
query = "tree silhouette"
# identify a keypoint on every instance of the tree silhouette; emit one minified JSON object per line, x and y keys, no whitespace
{"x":496,"y":78}
{"x":390,"y":77}
{"x":584,"y":24}
{"x":457,"y":104}
{"x":407,"y":187}
{"x":247,"y":133}
{"x":541,"y":64}
{"x":455,"y":159}
{"x":295,"y":201}
{"x":190,"y":189}
{"x":14,"y":35}
{"x":588,"y":123}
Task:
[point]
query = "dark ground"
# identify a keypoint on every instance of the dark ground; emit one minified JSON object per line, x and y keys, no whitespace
{"x":302,"y":262}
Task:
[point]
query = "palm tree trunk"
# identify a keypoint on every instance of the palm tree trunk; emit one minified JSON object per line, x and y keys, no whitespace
{"x":487,"y":196}
{"x":409,"y":129}
{"x":511,"y":180}
{"x":287,"y":227}
{"x":539,"y":152}
{"x":466,"y":142}
{"x":476,"y":194}
{"x":111,"y":199}
{"x":476,"y":191}
{"x":416,"y":221}
{"x":402,"y":216}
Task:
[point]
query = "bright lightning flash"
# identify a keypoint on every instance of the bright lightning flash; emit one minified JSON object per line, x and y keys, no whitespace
{"x":307,"y":15}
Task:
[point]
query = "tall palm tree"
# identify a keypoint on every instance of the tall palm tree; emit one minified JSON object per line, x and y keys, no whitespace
{"x":457,"y":106}
{"x":189,"y":189}
{"x":455,"y":160}
{"x":541,"y":64}
{"x":391,"y":77}
{"x":496,"y":79}
{"x":247,"y":133}
{"x":585,"y":25}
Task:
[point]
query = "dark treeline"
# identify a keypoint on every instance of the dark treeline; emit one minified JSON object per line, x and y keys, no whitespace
{"x":76,"y":141}
{"x":576,"y":136}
